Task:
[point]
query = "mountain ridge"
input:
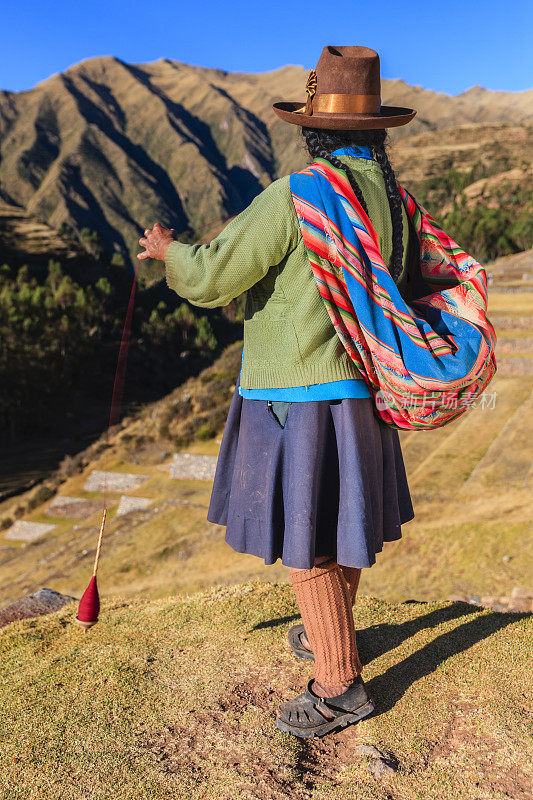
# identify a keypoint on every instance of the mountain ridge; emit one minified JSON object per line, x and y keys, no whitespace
{"x":112,"y":146}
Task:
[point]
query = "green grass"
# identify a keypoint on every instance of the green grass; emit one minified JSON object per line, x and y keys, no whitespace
{"x":440,"y":559}
{"x":176,"y":699}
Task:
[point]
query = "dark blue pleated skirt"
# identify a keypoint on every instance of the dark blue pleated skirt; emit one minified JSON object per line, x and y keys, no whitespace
{"x":330,"y":482}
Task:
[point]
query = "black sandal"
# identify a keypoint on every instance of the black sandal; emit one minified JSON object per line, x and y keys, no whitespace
{"x":296,"y":643}
{"x":310,"y":715}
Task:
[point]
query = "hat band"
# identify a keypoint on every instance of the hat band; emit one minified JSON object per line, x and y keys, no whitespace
{"x":346,"y":103}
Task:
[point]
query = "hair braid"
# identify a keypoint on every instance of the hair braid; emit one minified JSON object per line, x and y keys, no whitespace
{"x":395,"y":203}
{"x":320,"y":142}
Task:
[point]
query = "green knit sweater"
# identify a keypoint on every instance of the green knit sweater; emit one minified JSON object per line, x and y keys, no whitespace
{"x":289,"y":339}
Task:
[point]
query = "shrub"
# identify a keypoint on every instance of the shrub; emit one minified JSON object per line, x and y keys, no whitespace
{"x":39,"y":497}
{"x":205,"y":431}
{"x":117,"y":260}
{"x":70,"y":466}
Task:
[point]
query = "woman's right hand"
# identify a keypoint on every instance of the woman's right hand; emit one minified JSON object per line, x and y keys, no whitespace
{"x":156,"y":241}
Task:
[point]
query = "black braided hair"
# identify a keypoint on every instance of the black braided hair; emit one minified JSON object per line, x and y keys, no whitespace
{"x":321,"y":143}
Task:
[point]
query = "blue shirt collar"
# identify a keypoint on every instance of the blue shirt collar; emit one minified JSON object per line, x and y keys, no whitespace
{"x":360,"y":151}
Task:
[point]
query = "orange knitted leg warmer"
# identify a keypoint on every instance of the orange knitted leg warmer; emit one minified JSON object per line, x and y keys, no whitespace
{"x":352,"y":576}
{"x":323,"y":597}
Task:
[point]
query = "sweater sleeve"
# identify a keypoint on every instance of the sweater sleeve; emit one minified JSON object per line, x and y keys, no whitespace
{"x":259,"y":237}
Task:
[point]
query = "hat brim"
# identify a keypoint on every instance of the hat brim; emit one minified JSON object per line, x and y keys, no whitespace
{"x":387,"y":117}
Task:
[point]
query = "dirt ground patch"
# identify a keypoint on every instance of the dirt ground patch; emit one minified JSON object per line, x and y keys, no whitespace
{"x":214,"y":737}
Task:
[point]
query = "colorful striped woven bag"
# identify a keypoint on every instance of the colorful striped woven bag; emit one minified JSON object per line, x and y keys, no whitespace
{"x":426,"y":359}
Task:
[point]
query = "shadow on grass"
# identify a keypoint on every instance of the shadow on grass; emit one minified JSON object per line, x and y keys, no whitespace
{"x":377,"y":640}
{"x":389,"y":687}
{"x":273,"y":623}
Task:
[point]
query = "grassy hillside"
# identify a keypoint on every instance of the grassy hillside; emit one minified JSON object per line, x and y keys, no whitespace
{"x":176,"y":699}
{"x":471,"y":533}
{"x":477,"y":180}
{"x":26,"y":240}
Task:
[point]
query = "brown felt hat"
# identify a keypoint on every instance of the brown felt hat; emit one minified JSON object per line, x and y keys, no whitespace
{"x":344,"y":93}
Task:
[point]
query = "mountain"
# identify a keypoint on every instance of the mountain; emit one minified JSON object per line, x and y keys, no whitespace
{"x":486,"y":150}
{"x":110,"y":147}
{"x":477,"y":180}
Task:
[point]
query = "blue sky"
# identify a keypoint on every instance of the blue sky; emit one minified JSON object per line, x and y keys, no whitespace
{"x":447,"y":46}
